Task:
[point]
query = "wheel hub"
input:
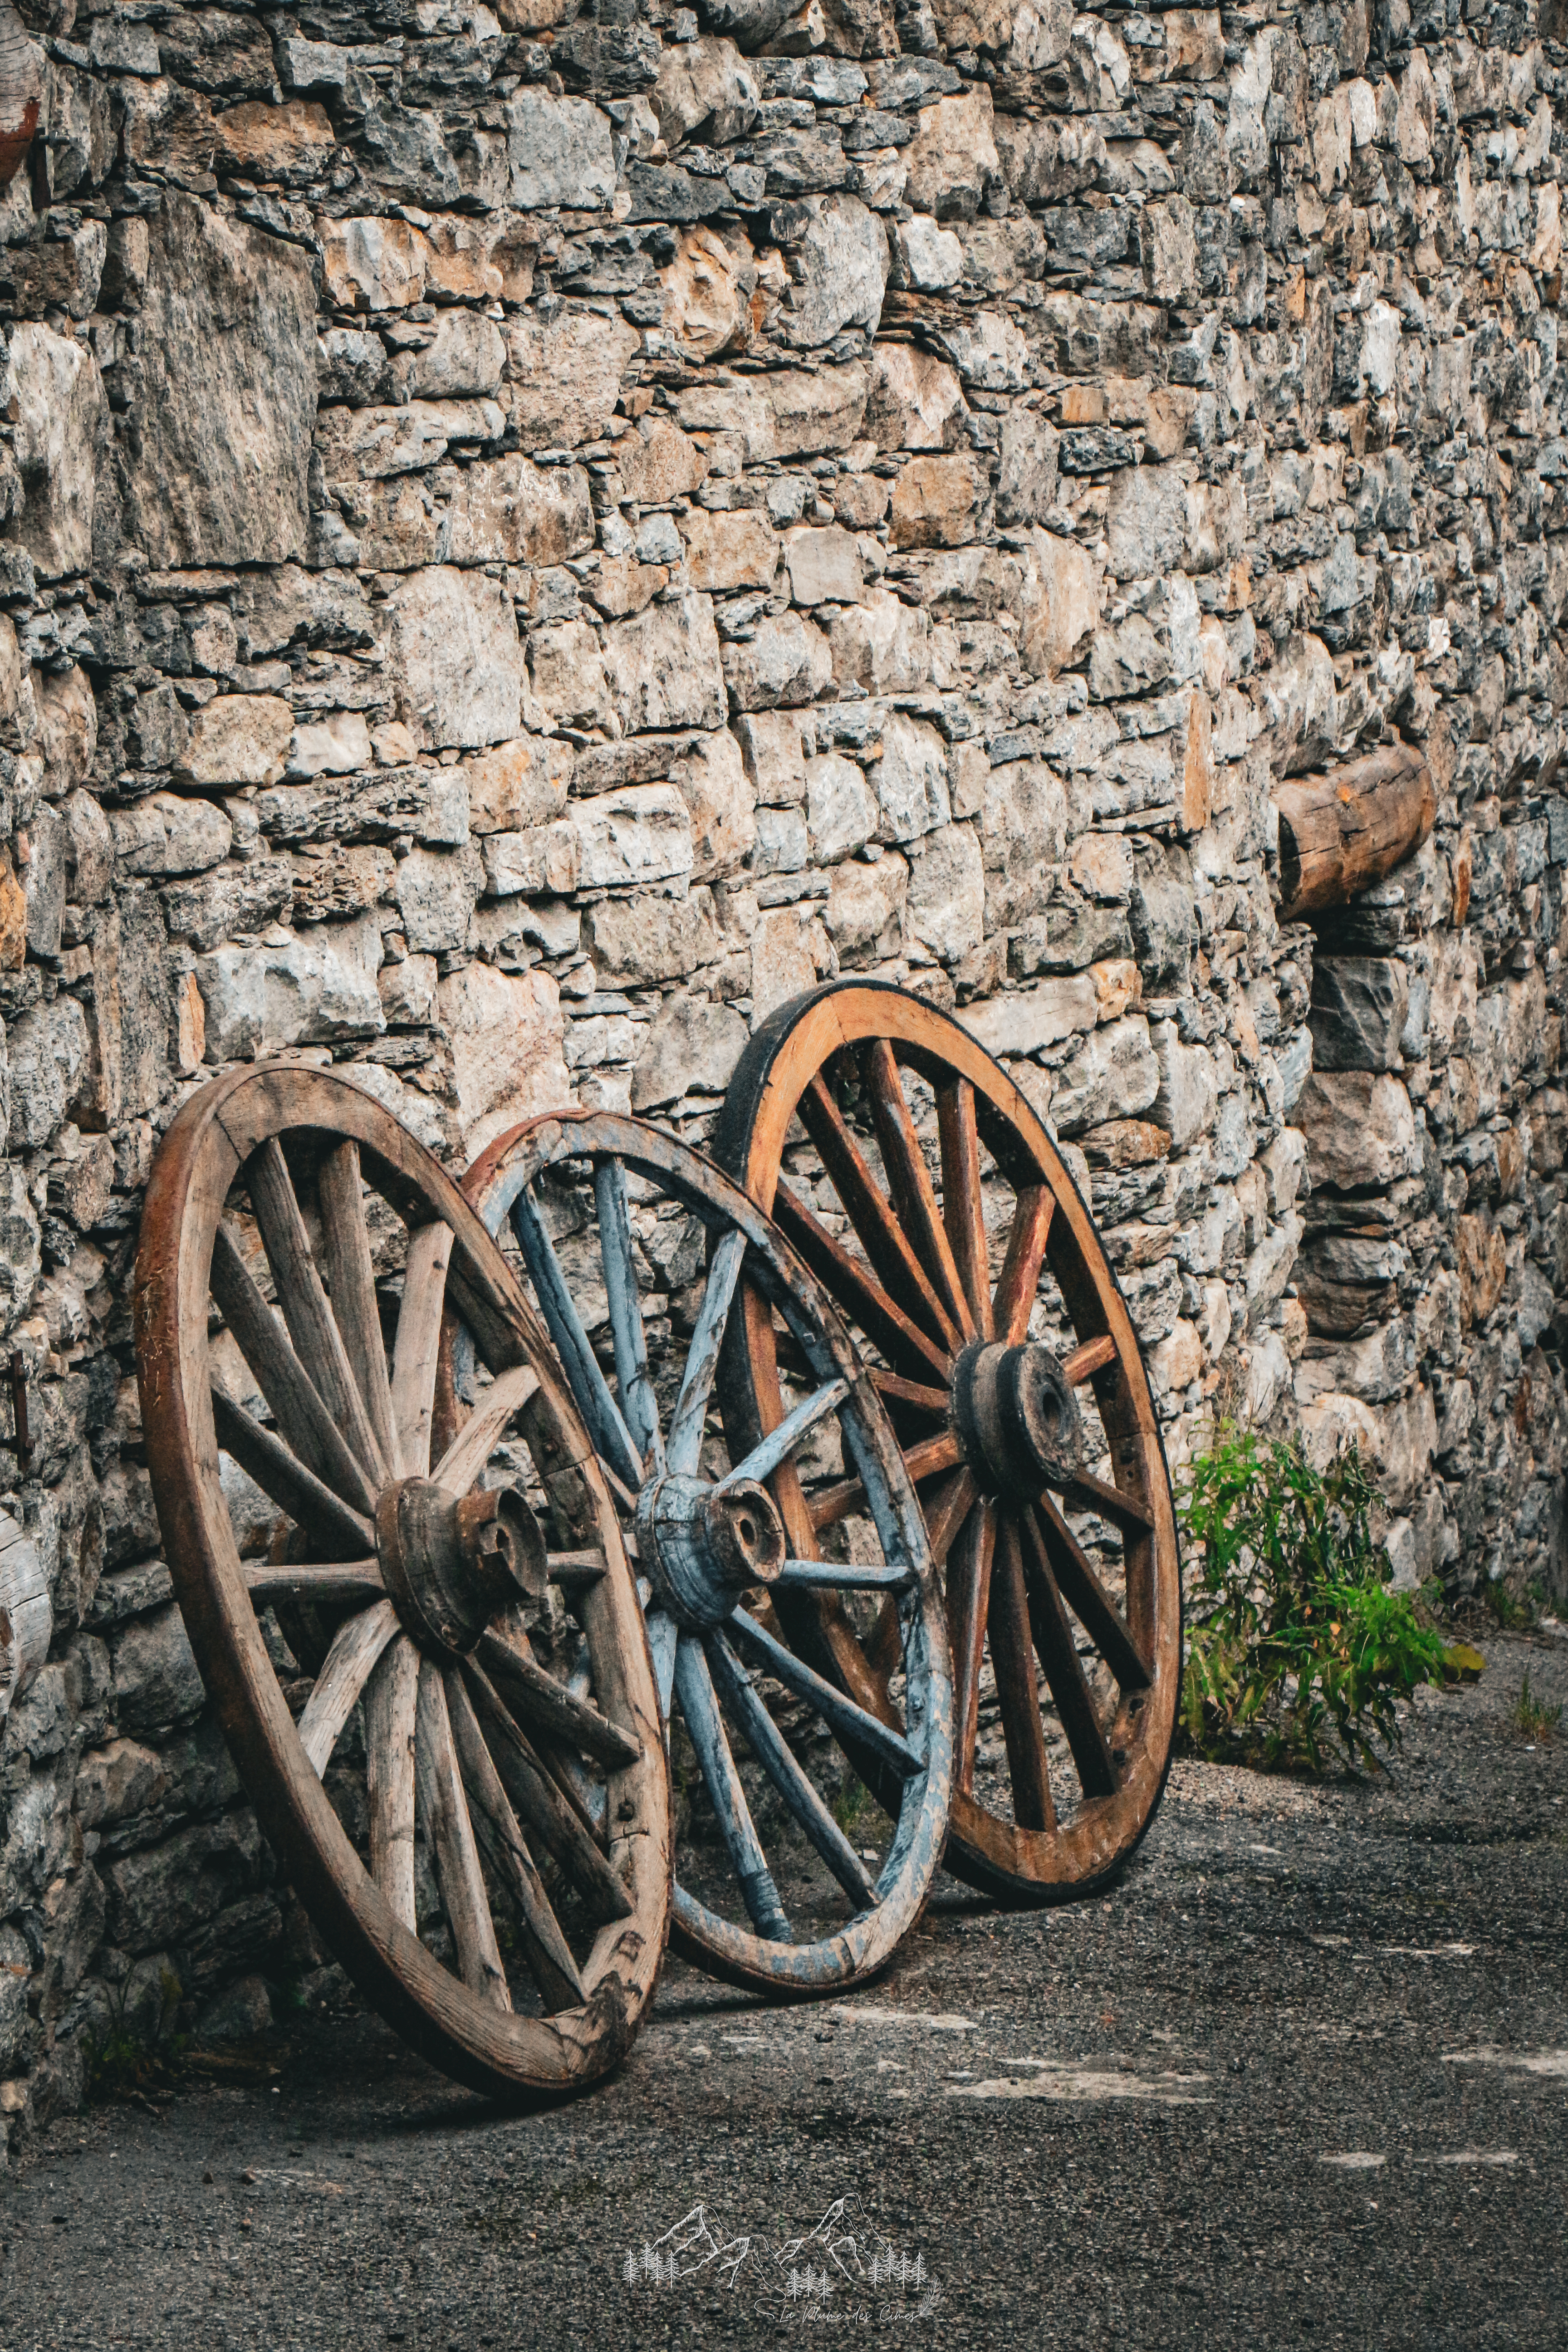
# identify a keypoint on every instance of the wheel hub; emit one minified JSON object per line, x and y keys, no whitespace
{"x":450,"y":1563}
{"x":701,"y":1545}
{"x":1016,"y":1418}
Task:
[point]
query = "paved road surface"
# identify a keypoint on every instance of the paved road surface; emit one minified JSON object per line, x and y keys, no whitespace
{"x":1302,"y":2079}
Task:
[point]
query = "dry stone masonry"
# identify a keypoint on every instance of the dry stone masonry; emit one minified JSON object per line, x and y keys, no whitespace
{"x":530,"y":537}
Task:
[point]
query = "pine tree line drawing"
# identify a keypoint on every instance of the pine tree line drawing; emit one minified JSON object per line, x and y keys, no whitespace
{"x":650,"y":2268}
{"x":889,"y":2267}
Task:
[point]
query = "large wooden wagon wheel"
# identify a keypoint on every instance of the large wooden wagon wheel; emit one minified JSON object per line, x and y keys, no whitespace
{"x":630,"y":1238}
{"x":298,"y":1252}
{"x":915,"y":1180}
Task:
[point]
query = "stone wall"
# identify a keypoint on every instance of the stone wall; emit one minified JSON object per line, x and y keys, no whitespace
{"x":528,"y":538}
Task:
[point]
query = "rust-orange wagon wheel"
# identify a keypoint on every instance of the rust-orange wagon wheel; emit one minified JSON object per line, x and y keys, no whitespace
{"x":924,"y":1193}
{"x":483,"y":1842}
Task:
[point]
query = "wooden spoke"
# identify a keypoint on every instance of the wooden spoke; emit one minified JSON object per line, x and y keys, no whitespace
{"x":923,"y":1461}
{"x":778,"y":1760}
{"x":354,"y":1582}
{"x":540,"y":1804}
{"x":575,"y":1570}
{"x":881,"y":1237}
{"x":1059,"y":1655}
{"x":1015,"y":1284}
{"x":470,"y":1450}
{"x":545,"y":1948}
{"x":591,"y":1798}
{"x":857,"y":1290}
{"x":390,"y":1702}
{"x":319,"y":1515}
{"x":566,"y":1768}
{"x":640,"y":1406}
{"x":418,"y":1344}
{"x":793,"y":1431}
{"x":450,"y":1831}
{"x":843,"y":1577}
{"x":963,"y":1209}
{"x":626,"y":1498}
{"x":914,"y":1395}
{"x":1122,"y":1509}
{"x":356,"y":1646}
{"x":936,"y":1453}
{"x":914,"y":1196}
{"x":662,"y":1636}
{"x":1013,"y":1664}
{"x":705,"y":1727}
{"x":547,"y":1705}
{"x":303,"y":1421}
{"x":1085,"y":1361}
{"x":684,"y":1448}
{"x":885,"y":1650}
{"x":850,"y":1722}
{"x":833,"y":1636}
{"x":573,"y":1345}
{"x":345,"y":1240}
{"x":791,"y":1357}
{"x":968,"y":1602}
{"x":946,"y":1512}
{"x":318,"y":1343}
{"x":1088,"y":1601}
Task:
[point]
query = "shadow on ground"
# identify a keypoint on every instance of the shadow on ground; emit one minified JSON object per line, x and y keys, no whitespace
{"x":1302,"y":2076}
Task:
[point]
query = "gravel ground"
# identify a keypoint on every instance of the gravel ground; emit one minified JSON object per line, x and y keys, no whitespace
{"x":1304,"y":2075}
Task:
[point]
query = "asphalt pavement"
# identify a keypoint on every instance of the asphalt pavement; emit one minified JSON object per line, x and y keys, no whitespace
{"x":1302,"y":2077}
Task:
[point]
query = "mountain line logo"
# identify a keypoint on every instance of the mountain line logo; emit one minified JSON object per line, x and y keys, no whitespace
{"x":845,"y":2268}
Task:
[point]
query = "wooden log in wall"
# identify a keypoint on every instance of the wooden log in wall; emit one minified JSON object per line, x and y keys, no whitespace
{"x":26,"y":1619}
{"x":1343,"y":829}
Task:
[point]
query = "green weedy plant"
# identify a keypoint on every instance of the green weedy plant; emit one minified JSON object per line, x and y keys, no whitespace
{"x":1532,"y":1719}
{"x":124,"y":2062}
{"x":1297,"y":1651}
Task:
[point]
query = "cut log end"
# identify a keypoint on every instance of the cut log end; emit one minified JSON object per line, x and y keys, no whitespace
{"x":1342,"y":830}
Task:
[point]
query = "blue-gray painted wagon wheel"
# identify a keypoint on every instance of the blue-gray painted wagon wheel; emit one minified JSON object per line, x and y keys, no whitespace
{"x":299,"y":1254}
{"x":807,"y":1883}
{"x":922,"y":1189}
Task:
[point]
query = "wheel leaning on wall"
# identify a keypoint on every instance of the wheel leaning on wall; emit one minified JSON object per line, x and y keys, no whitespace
{"x":313,"y":1539}
{"x":1009,"y":1361}
{"x":803,"y":1890}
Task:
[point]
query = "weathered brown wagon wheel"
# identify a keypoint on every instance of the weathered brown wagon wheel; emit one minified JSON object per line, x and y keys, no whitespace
{"x":756,"y":1732}
{"x":417,"y":1576}
{"x":925,"y":1194}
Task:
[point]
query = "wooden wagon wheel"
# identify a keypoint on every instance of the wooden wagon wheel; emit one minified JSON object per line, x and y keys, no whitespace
{"x":925,"y":1194}
{"x":756,"y":1731}
{"x":291,"y":1460}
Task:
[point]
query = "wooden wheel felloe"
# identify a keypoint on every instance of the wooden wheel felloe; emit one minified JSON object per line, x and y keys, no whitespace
{"x":917,"y":1183}
{"x":505,"y":1908}
{"x":792,"y":1881}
